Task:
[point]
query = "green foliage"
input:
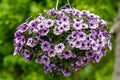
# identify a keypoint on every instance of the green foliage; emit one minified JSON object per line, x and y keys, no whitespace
{"x":14,"y":12}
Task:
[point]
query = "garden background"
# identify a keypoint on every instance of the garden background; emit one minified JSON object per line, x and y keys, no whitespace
{"x":14,"y":12}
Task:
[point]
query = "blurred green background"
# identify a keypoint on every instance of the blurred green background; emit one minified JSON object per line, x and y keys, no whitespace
{"x":14,"y":12}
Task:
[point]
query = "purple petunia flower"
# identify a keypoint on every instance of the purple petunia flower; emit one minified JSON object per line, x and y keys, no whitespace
{"x":39,"y":59}
{"x":17,"y":49}
{"x":26,"y":54}
{"x":95,"y":46}
{"x":70,"y":38}
{"x":66,"y":72}
{"x":78,"y":20}
{"x":51,"y":53}
{"x":109,"y":45}
{"x":81,"y":36}
{"x":37,"y":35}
{"x":23,"y":27}
{"x":84,"y":26}
{"x":64,"y":6}
{"x":40,"y":18}
{"x":92,"y":16}
{"x":65,"y":19}
{"x":96,"y":59}
{"x":65,"y":26}
{"x":59,"y":22}
{"x":74,"y":34}
{"x":61,"y":29}
{"x":19,"y":41}
{"x":101,"y":37}
{"x":45,"y":60}
{"x":17,"y":34}
{"x":77,"y":12}
{"x":67,"y":54}
{"x":84,"y":13}
{"x":103,"y":23}
{"x":47,"y":68}
{"x":31,"y":42}
{"x":94,"y":24}
{"x":78,"y":44}
{"x":103,"y":53}
{"x":82,"y":61}
{"x":101,"y":43}
{"x":45,"y":31}
{"x":49,"y":23}
{"x":75,"y":66}
{"x":40,"y":26}
{"x":77,"y":26}
{"x":85,"y":45}
{"x":72,"y":44}
{"x":56,"y":31}
{"x":59,"y":48}
{"x":70,"y":11}
{"x":33,"y":23}
{"x":90,"y":54}
{"x":32,"y":29}
{"x":45,"y":46}
{"x":52,"y":12}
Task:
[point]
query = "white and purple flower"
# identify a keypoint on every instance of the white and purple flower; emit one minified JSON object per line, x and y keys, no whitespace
{"x":31,"y":42}
{"x":51,"y":53}
{"x":59,"y":48}
{"x":45,"y":46}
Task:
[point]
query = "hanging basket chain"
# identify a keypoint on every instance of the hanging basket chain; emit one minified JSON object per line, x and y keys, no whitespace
{"x":69,"y":3}
{"x":58,"y":2}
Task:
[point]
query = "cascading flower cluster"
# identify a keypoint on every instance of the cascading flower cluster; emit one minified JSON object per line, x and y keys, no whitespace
{"x":63,"y":40}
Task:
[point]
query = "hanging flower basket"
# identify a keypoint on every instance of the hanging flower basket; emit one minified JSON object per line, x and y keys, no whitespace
{"x":63,"y":40}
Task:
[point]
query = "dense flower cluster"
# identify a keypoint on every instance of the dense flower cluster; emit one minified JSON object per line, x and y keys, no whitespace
{"x":63,"y":40}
